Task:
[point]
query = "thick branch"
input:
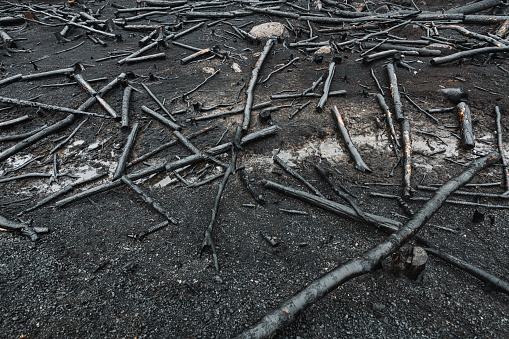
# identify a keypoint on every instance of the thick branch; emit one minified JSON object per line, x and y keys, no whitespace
{"x":365,"y":263}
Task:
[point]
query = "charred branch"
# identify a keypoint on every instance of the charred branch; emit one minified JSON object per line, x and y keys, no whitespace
{"x":363,"y":264}
{"x":359,"y":163}
{"x":252,"y":83}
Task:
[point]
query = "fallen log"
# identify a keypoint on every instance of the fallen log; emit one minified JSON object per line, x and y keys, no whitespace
{"x":158,"y":102}
{"x":126,"y":99}
{"x":489,"y":279}
{"x":367,"y":262}
{"x":307,"y":95}
{"x":63,"y":142}
{"x":388,"y":117}
{"x":227,"y":113}
{"x":252,"y":83}
{"x":359,"y":163}
{"x":327,"y":176}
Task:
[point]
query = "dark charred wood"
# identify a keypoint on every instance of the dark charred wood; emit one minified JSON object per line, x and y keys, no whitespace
{"x":184,"y":32}
{"x":140,"y":51}
{"x":291,"y":171}
{"x":63,"y":71}
{"x":63,"y":191}
{"x":161,"y":119}
{"x":362,"y":264}
{"x":27,"y":103}
{"x":252,"y":83}
{"x":398,"y":106}
{"x":306,"y":95}
{"x":356,"y":157}
{"x":466,"y":54}
{"x":140,"y":236}
{"x":11,"y":79}
{"x":396,"y":47}
{"x":122,"y":161}
{"x":24,"y":228}
{"x":63,"y":142}
{"x":159,"y":103}
{"x":146,"y":198}
{"x":334,"y":207}
{"x":194,"y":56}
{"x":301,"y":107}
{"x":22,"y":136}
{"x":252,"y":191}
{"x":12,"y":122}
{"x":386,"y":54}
{"x":388,"y":117}
{"x":466,"y":193}
{"x":466,"y":130}
{"x":207,"y":239}
{"x":455,"y":95}
{"x":163,"y":3}
{"x":326,"y":87}
{"x":327,"y":176}
{"x":489,"y":279}
{"x":475,"y":7}
{"x":421,"y":109}
{"x":185,"y":95}
{"x":280,"y":69}
{"x":36,"y":137}
{"x":156,"y":56}
{"x":126,"y":99}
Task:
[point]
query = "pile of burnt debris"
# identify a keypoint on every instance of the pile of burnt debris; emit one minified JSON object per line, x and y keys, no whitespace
{"x":388,"y":39}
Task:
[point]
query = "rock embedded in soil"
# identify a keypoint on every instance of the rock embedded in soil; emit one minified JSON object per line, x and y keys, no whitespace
{"x":266,"y":30}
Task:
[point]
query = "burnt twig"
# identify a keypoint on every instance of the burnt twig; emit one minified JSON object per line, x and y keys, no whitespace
{"x":326,"y":87}
{"x":157,"y":206}
{"x":359,"y":163}
{"x":290,"y":170}
{"x":252,"y":83}
{"x":122,"y":161}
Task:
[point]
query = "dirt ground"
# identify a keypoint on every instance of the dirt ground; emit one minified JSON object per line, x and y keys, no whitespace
{"x":89,"y":276}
